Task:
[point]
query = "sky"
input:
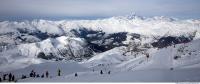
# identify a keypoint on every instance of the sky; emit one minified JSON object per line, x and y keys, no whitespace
{"x":86,"y":9}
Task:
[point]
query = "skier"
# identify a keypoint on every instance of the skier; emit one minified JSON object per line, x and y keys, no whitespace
{"x":31,"y":74}
{"x":9,"y":77}
{"x":147,"y":55}
{"x":59,"y":72}
{"x":25,"y":76}
{"x":47,"y":74}
{"x":34,"y":74}
{"x":4,"y":76}
{"x":76,"y":74}
{"x":0,"y":79}
{"x":108,"y":72}
{"x":93,"y":70}
{"x":13,"y":78}
{"x":22,"y":77}
{"x":101,"y":72}
{"x":42,"y":76}
{"x":37,"y":75}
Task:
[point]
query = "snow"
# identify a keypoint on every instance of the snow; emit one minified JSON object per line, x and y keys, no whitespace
{"x":125,"y":66}
{"x":113,"y":56}
{"x":48,"y":26}
{"x":50,"y":66}
{"x":131,"y":69}
{"x":157,"y":26}
{"x":26,"y":54}
{"x":179,"y":75}
{"x":188,"y":59}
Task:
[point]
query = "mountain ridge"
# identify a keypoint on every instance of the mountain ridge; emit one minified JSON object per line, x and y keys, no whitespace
{"x":81,"y":40}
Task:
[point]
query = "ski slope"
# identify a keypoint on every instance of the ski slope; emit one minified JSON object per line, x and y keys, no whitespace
{"x":156,"y":75}
{"x":157,"y":68}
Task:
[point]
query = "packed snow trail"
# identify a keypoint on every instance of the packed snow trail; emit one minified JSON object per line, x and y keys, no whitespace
{"x":159,"y":59}
{"x":52,"y":67}
{"x":190,"y":55}
{"x":179,"y":75}
{"x":132,"y":63}
{"x":163,"y":58}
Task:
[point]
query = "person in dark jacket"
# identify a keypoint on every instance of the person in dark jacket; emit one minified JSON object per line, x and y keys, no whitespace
{"x":171,"y":68}
{"x":93,"y":70}
{"x":0,"y":79}
{"x":108,"y":72}
{"x":59,"y":72}
{"x":47,"y":74}
{"x":13,"y":78}
{"x":23,"y":76}
{"x":31,"y":74}
{"x":76,"y":74}
{"x":4,"y":76}
{"x":34,"y":74}
{"x":9,"y":77}
{"x":101,"y":72}
{"x":42,"y":76}
{"x":37,"y":75}
{"x":147,"y":55}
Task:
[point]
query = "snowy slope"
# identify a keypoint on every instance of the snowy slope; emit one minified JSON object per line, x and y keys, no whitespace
{"x":50,"y":66}
{"x":27,"y":54}
{"x":186,"y":75}
{"x":154,"y":69}
{"x":159,"y":58}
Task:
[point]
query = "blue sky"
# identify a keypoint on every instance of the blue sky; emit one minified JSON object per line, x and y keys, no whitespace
{"x":26,"y":9}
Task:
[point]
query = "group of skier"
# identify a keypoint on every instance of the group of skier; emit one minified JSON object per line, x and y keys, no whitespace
{"x":8,"y":77}
{"x":101,"y":72}
{"x":11,"y":78}
{"x":33,"y":74}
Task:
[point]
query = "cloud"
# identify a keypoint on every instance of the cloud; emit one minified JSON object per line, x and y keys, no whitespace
{"x":84,"y":8}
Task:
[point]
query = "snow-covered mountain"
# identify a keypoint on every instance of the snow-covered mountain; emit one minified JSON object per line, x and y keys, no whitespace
{"x":121,"y":43}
